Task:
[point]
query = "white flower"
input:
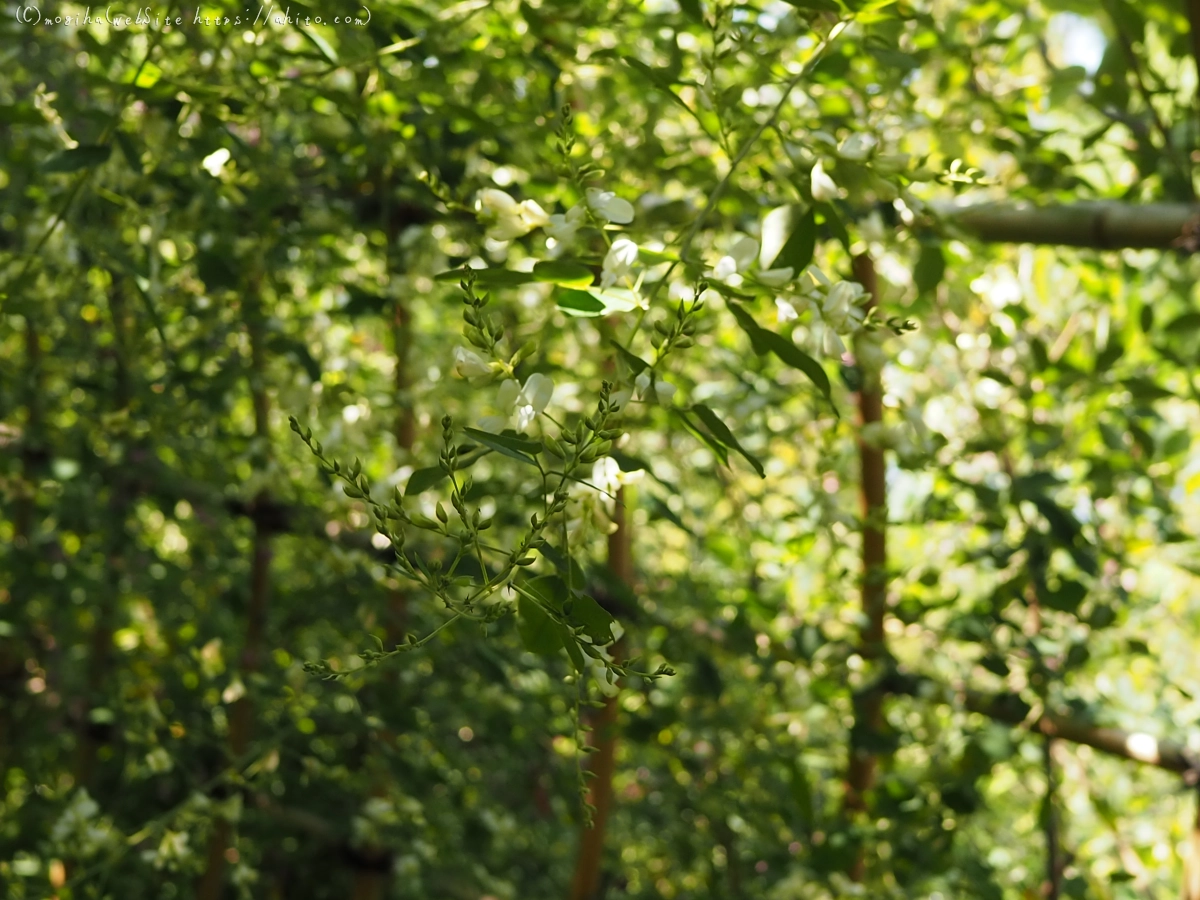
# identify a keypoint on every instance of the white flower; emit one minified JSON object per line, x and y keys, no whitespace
{"x":610,"y":207}
{"x":622,"y":398}
{"x":784,"y":311}
{"x":823,"y":188}
{"x":215,"y":162}
{"x":606,"y":475}
{"x":642,"y":382}
{"x":842,"y":310}
{"x":776,"y":277}
{"x":619,"y":261}
{"x":563,"y":226}
{"x":468,"y":363}
{"x":507,"y":218}
{"x":871,"y":228}
{"x":833,"y":345}
{"x":681,"y":293}
{"x":857,"y":147}
{"x":527,"y":402}
{"x":533,"y":399}
{"x":741,"y":255}
{"x":665,"y":392}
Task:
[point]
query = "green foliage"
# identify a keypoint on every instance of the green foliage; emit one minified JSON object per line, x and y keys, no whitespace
{"x":520,"y":274}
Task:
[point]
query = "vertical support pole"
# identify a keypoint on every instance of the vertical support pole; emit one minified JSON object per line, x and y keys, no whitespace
{"x":586,"y":880}
{"x":241,"y":724}
{"x":868,"y":704}
{"x":1191,"y":861}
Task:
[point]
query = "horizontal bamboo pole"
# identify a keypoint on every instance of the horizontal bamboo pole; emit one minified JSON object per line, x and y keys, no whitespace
{"x":1012,"y":710}
{"x":1102,"y":225}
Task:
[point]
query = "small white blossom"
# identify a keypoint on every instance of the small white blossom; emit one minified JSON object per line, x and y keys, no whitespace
{"x":563,"y":226}
{"x":785,"y":311}
{"x":681,"y":293}
{"x":468,"y":363}
{"x":619,"y":261}
{"x":642,"y":382}
{"x":665,"y":392}
{"x":842,"y":310}
{"x":823,"y":188}
{"x":608,"y":206}
{"x":215,"y":162}
{"x":741,"y":255}
{"x":526,"y":402}
{"x":857,"y":147}
{"x":776,"y":277}
{"x":533,"y":399}
{"x":507,"y":218}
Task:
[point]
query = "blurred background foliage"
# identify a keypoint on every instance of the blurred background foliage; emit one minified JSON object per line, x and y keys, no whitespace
{"x":207,"y":228}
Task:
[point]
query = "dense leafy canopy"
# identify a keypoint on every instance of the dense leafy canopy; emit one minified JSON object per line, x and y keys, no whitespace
{"x":534,"y":282}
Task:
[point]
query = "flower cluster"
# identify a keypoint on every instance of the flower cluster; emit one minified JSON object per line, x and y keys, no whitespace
{"x":840,"y":308}
{"x":508,"y":219}
{"x":525,"y":402}
{"x":731,"y":268}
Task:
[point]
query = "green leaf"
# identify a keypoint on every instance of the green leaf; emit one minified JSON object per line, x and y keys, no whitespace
{"x":658,"y":79}
{"x":830,"y":217}
{"x":82,"y":157}
{"x":596,"y":622}
{"x":712,"y":443}
{"x":539,"y":633}
{"x":753,"y":329}
{"x":564,"y":272}
{"x":1067,"y":597}
{"x":930,"y":268}
{"x":656,"y":257}
{"x":511,"y":446}
{"x":788,"y":352}
{"x":21,"y":114}
{"x":798,"y":251}
{"x":423,"y":479}
{"x":363,"y":303}
{"x":636,"y":363}
{"x":298,"y":350}
{"x":1109,"y":355}
{"x":321,"y":44}
{"x":722,"y":433}
{"x":578,"y":303}
{"x":487,"y":277}
{"x":1189,"y":321}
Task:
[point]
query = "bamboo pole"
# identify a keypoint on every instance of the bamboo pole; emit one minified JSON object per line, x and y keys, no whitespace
{"x":1099,"y":225}
{"x":585,"y":882}
{"x":1010,"y":709}
{"x":868,"y":704}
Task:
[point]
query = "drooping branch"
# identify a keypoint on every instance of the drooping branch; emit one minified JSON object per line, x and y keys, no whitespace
{"x":1099,"y":225}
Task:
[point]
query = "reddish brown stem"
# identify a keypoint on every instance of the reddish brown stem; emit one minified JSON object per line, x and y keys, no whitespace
{"x":868,"y":705}
{"x":586,"y":880}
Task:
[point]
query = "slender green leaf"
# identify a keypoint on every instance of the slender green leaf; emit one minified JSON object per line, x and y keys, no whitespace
{"x":721,"y":432}
{"x":508,"y":445}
